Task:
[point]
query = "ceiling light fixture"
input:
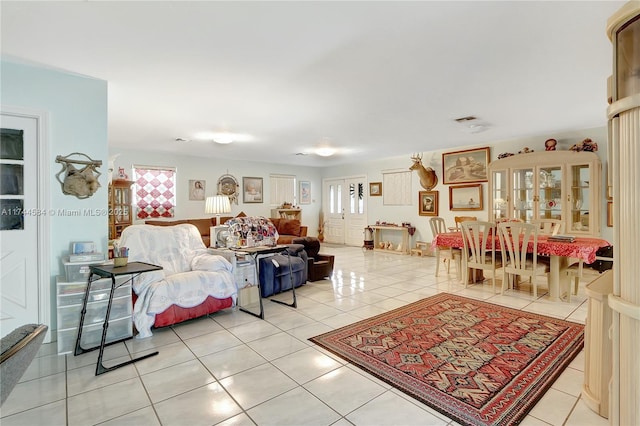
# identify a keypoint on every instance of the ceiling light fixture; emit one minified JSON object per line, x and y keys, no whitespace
{"x":223,"y":138}
{"x":325,"y":151}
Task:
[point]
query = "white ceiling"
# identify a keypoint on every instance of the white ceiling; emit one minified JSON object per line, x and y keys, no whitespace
{"x":372,"y":79}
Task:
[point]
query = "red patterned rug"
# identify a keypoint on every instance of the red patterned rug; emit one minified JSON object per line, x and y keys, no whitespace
{"x":476,"y":362}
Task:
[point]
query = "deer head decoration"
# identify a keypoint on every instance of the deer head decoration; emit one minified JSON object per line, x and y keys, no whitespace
{"x":428,"y":177}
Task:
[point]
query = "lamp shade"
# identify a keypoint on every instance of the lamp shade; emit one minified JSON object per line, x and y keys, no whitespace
{"x":217,"y":204}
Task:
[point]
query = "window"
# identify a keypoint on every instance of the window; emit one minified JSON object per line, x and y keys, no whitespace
{"x":154,"y":191}
{"x":397,"y":188}
{"x":283,"y":189}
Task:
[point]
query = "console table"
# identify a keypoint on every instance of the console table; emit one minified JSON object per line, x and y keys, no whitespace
{"x":110,"y":271}
{"x":377,"y":238}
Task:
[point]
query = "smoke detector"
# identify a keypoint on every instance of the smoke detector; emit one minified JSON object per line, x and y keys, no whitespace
{"x":471,"y":124}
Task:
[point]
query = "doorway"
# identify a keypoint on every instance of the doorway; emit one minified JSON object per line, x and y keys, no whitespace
{"x":345,"y":206}
{"x":24,"y":231}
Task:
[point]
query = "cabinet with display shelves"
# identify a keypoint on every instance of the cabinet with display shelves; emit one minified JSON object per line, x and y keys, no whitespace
{"x":119,"y":207}
{"x":562,"y":185}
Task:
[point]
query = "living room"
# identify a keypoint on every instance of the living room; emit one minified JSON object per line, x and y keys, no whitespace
{"x":70,"y":128}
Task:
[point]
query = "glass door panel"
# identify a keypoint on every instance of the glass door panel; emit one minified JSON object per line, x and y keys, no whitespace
{"x":523,"y":194}
{"x":550,"y":192}
{"x":500,"y":195}
{"x":580,"y":196}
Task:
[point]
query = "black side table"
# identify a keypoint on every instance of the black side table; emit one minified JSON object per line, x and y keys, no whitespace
{"x":109,"y":271}
{"x":256,"y":253}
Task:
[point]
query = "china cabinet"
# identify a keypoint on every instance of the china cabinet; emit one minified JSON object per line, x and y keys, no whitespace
{"x":119,"y":207}
{"x":561,"y":185}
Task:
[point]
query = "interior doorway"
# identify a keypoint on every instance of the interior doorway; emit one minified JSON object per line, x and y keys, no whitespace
{"x":24,"y":236}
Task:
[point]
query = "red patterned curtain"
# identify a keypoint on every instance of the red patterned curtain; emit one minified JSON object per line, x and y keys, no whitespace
{"x":154,"y":191}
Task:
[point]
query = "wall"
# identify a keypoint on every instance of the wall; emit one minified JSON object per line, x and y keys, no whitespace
{"x":77,"y":108}
{"x":210,"y":170}
{"x":398,"y":214}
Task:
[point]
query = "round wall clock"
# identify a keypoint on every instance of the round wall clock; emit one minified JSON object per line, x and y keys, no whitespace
{"x":228,"y":185}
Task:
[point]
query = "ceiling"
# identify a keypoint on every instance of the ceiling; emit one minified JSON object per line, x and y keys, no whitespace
{"x":370,"y":79}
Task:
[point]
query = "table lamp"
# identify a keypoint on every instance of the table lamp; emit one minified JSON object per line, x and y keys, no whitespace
{"x":217,"y":205}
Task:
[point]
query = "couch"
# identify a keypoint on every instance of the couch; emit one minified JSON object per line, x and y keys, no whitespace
{"x":192,"y":283}
{"x":287,"y":228}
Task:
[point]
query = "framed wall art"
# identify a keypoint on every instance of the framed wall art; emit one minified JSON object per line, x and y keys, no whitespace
{"x":252,"y":190}
{"x":228,"y":185}
{"x":465,"y":197}
{"x":197,"y":189}
{"x":465,"y":166}
{"x":305,"y":192}
{"x":428,"y":203}
{"x":375,"y":189}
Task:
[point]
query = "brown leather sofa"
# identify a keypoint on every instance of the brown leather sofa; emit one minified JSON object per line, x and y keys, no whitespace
{"x":288,"y":229}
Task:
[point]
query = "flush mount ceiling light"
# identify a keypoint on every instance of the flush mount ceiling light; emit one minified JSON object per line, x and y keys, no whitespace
{"x":223,"y":137}
{"x":325,"y":151}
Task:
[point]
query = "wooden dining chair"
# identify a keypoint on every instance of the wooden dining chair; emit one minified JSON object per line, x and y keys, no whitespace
{"x":446,"y":254}
{"x":580,"y":270}
{"x":479,"y":249}
{"x":549,"y":226}
{"x":517,"y":260}
{"x":459,"y":219}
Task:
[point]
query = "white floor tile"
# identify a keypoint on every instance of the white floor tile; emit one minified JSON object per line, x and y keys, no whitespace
{"x":296,"y":407}
{"x":257,"y":385}
{"x":177,"y":379}
{"x":34,"y":393}
{"x":391,"y":409}
{"x":232,"y":361}
{"x":306,"y":364}
{"x":53,"y":414}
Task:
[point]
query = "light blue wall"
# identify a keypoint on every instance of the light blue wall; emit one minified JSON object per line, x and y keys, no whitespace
{"x":77,"y":108}
{"x":210,"y":170}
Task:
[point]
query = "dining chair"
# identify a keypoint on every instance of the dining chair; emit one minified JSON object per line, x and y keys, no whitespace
{"x":578,"y":271}
{"x":479,"y":249}
{"x":549,"y":226}
{"x":446,"y":254}
{"x":459,"y":219}
{"x":519,"y":246}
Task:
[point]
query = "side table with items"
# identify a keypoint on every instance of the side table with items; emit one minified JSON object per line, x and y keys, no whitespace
{"x":244,"y":273}
{"x":133,"y":269}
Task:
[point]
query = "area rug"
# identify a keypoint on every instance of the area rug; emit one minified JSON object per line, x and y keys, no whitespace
{"x":475,"y":362}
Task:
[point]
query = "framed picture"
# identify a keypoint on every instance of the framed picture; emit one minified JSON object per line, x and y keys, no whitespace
{"x":428,"y":203}
{"x":465,"y":197}
{"x":610,"y":214}
{"x":196,"y":190}
{"x":375,"y":189}
{"x":305,"y":192}
{"x":465,"y":166}
{"x":252,"y":190}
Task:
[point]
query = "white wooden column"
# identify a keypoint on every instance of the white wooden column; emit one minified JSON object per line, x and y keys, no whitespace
{"x":624,"y":116}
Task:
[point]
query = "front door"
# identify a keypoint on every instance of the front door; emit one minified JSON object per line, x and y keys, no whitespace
{"x":20,"y":220}
{"x":344,"y":204}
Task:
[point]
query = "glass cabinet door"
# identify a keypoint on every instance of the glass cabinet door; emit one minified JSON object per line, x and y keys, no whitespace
{"x":580,"y":197}
{"x":550,"y":201}
{"x":500,"y":194}
{"x":523,"y":194}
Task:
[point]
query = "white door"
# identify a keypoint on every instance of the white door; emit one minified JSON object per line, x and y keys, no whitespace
{"x":333,"y":200}
{"x":355,"y":212}
{"x":22,"y":264}
{"x":344,"y":204}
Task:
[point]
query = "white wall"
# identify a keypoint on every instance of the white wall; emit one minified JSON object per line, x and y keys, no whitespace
{"x":210,"y":170}
{"x":398,"y":214}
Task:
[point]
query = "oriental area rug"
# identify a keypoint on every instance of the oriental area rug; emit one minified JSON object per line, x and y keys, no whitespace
{"x":475,"y":362}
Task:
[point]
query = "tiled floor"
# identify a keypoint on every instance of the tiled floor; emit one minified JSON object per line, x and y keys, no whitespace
{"x":232,"y":368}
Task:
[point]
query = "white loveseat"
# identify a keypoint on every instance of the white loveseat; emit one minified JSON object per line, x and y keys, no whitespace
{"x":193,"y":282}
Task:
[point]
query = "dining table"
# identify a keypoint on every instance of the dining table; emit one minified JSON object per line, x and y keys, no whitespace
{"x":560,"y":254}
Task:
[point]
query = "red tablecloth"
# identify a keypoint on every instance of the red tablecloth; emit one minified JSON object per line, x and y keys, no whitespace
{"x":582,"y":248}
